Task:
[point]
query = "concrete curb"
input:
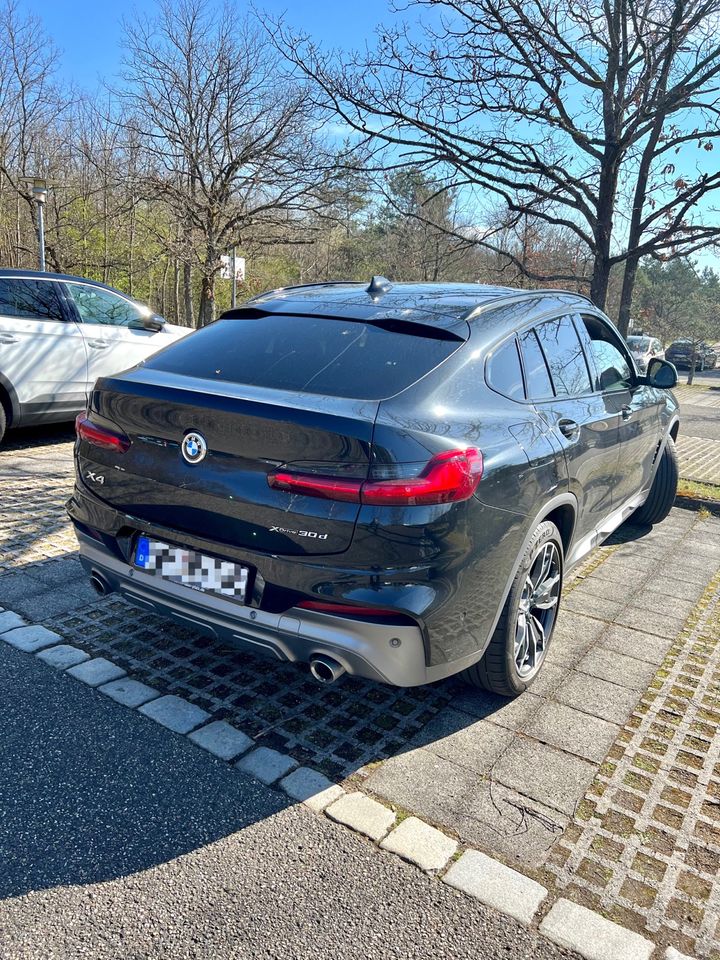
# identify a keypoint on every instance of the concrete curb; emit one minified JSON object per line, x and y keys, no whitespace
{"x":473,"y":873}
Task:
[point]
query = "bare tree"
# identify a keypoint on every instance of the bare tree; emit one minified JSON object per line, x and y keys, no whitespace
{"x":30,"y":106}
{"x":228,"y":142}
{"x":566,"y":111}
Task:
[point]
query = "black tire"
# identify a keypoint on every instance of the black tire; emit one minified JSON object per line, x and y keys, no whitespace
{"x":498,"y":670}
{"x":3,"y":422}
{"x":664,"y":488}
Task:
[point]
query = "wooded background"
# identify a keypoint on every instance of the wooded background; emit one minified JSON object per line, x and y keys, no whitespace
{"x":520,"y":142}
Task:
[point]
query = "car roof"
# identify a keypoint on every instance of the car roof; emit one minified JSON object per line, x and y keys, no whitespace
{"x":7,"y":273}
{"x":445,"y":305}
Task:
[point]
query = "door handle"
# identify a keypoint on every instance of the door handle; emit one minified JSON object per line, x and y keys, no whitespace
{"x":568,"y":428}
{"x":8,"y":338}
{"x":98,"y":344}
{"x":626,"y":412}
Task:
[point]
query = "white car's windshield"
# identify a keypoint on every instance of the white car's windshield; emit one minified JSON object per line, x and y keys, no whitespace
{"x":639,"y":344}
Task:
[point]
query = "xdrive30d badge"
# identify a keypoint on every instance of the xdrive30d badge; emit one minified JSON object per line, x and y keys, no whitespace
{"x":391,"y":481}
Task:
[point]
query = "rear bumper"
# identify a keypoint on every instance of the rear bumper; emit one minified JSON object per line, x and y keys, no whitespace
{"x":389,"y":654}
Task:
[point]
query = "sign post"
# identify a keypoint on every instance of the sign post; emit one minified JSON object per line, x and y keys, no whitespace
{"x":233,"y":268}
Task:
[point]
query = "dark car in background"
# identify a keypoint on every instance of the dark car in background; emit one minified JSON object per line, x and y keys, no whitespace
{"x":680,"y":353}
{"x":390,"y":481}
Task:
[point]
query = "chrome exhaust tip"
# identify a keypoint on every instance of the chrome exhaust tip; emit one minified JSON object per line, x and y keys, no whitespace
{"x":100,"y":584}
{"x":325,"y":669}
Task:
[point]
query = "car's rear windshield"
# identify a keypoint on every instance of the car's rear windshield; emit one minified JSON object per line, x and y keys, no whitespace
{"x":319,"y":355}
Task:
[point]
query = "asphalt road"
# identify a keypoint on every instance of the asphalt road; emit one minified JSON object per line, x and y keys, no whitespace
{"x":119,"y":839}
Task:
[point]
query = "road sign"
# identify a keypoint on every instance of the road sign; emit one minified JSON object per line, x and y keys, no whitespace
{"x":226,"y":270}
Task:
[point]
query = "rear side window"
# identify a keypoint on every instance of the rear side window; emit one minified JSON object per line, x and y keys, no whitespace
{"x":320,"y":355}
{"x":96,"y":305}
{"x":504,"y":371}
{"x":565,"y":357}
{"x":30,"y":300}
{"x":537,"y":377}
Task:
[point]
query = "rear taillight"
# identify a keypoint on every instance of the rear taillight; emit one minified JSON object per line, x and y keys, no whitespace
{"x":101,"y":436}
{"x":448,"y":477}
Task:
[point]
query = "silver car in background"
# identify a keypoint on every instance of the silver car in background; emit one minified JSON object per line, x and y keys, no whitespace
{"x":643,"y":349}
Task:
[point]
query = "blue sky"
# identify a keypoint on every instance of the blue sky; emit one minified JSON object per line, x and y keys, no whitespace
{"x":89,"y":33}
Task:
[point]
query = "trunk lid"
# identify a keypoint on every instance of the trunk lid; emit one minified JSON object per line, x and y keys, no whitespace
{"x":249,"y":431}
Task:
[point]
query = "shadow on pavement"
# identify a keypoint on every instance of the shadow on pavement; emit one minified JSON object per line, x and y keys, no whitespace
{"x":90,"y":792}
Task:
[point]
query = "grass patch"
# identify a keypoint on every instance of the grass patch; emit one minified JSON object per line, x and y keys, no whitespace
{"x":698,"y":491}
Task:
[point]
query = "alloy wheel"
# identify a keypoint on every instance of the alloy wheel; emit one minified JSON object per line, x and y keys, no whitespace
{"x":537,"y":610}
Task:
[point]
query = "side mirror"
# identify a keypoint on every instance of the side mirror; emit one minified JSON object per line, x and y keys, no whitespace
{"x":661,"y":374}
{"x":153,"y":322}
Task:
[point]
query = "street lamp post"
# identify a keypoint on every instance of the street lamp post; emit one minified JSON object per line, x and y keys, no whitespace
{"x":39,"y":192}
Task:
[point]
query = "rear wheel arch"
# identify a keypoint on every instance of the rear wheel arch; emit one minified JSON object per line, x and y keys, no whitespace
{"x":564,"y":517}
{"x":9,"y":401}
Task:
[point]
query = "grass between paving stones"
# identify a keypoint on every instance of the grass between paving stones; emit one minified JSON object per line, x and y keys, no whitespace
{"x":697,"y":490}
{"x":615,"y":831}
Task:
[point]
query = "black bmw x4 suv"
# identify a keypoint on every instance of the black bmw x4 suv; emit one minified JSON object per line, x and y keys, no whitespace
{"x":389,"y":480}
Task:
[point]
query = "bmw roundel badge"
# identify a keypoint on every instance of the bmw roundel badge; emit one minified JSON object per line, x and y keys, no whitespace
{"x":194,"y":447}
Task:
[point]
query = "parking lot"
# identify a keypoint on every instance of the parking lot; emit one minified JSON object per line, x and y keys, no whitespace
{"x":603,"y":782}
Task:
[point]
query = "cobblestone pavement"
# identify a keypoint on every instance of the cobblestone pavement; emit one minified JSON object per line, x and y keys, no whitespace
{"x":540,"y":781}
{"x":699,"y":459}
{"x":698,"y":396}
{"x":644,"y":845}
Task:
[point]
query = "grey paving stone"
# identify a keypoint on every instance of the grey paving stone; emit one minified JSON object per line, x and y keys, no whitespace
{"x":550,"y":776}
{"x":573,"y":636}
{"x":594,"y":937}
{"x":266,"y":765}
{"x":549,"y":678}
{"x":63,"y":656}
{"x":627,"y":577}
{"x":97,"y":671}
{"x":635,"y":643}
{"x":362,"y":814}
{"x":311,"y":788}
{"x":50,"y":600}
{"x":598,"y":607}
{"x":176,"y":714}
{"x":609,"y":701}
{"x":129,"y":692}
{"x":617,"y":668}
{"x":561,"y":726}
{"x":496,"y":885}
{"x":591,"y":586}
{"x":451,"y":734}
{"x":660,"y":603}
{"x":481,"y":811}
{"x":31,"y":639}
{"x":513,"y":714}
{"x":420,"y":844}
{"x":661,"y":624}
{"x":672,"y":954}
{"x":9,"y":620}
{"x":222,"y":740}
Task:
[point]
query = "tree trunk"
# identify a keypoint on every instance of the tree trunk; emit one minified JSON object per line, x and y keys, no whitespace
{"x":631,"y":265}
{"x":691,"y":371}
{"x":600,"y":280}
{"x":187,"y":295}
{"x":207,"y":300}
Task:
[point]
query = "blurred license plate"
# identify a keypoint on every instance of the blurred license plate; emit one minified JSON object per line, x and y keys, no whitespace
{"x":192,"y":569}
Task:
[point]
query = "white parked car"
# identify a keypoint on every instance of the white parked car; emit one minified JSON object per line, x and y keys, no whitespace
{"x":644,"y":349}
{"x":58,"y":334}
